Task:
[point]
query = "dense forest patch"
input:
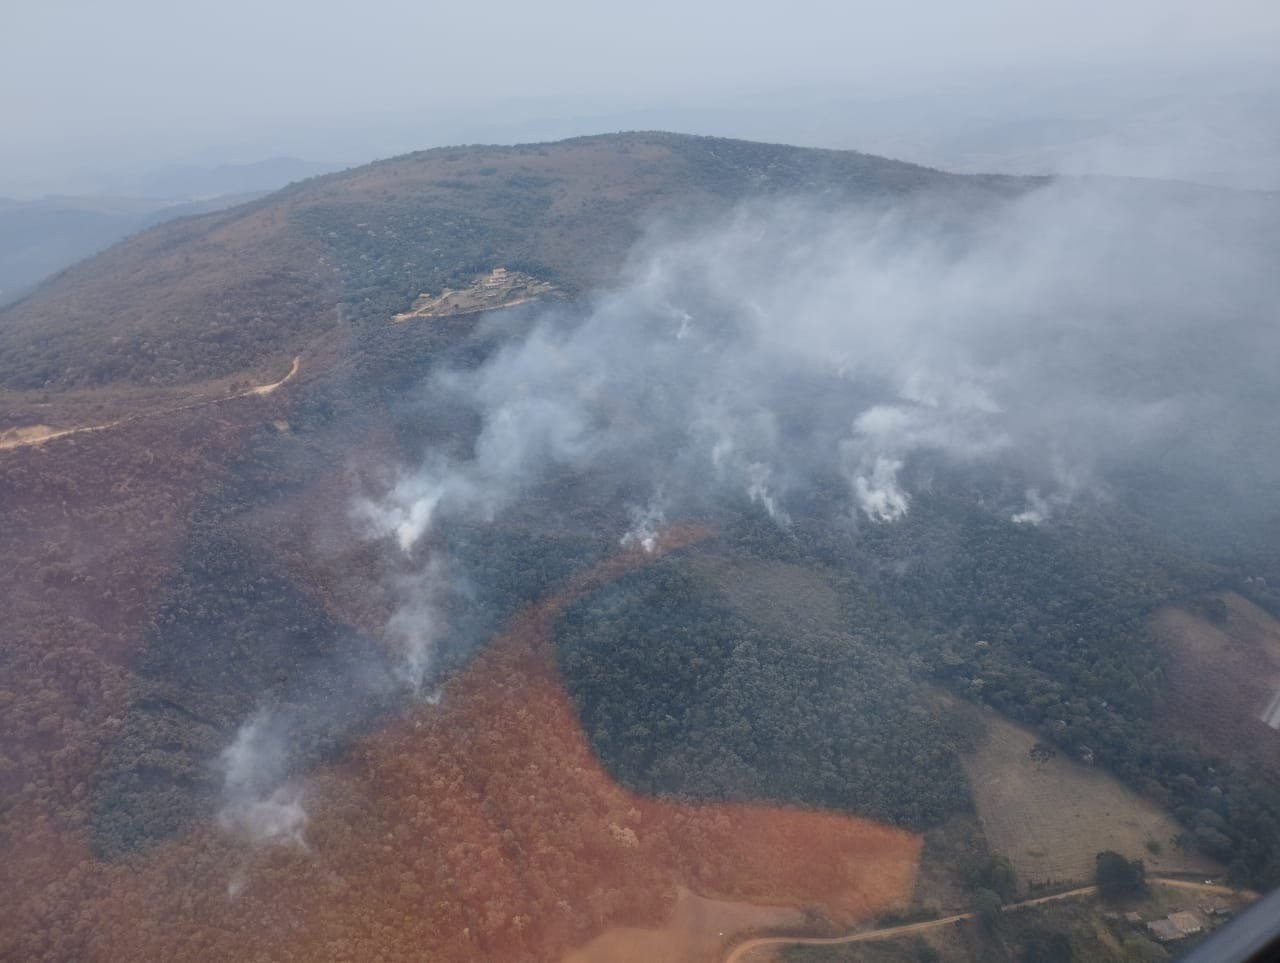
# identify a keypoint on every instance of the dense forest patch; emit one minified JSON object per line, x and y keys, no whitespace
{"x":682,"y":696}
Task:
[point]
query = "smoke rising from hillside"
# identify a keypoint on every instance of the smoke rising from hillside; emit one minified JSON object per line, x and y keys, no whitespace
{"x":258,"y":800}
{"x":794,"y":348}
{"x":793,"y":342}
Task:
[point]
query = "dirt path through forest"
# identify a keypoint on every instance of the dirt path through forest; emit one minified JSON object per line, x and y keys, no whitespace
{"x":39,"y":434}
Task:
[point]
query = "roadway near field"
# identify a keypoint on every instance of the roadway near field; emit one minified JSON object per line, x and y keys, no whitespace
{"x":756,"y":948}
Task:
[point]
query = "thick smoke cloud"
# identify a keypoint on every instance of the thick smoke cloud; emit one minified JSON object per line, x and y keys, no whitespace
{"x":1048,"y":338}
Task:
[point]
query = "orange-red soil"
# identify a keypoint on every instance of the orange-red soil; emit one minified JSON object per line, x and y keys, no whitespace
{"x":479,"y":828}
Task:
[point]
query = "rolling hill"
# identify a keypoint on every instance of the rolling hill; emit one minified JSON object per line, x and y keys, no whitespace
{"x":226,"y":290}
{"x":485,"y":549}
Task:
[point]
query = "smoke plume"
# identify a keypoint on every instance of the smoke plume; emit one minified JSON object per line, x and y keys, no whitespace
{"x":793,"y":349}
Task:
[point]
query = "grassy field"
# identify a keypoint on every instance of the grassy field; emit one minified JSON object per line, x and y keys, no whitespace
{"x":1052,"y":817}
{"x":1225,"y":672}
{"x":778,"y":596}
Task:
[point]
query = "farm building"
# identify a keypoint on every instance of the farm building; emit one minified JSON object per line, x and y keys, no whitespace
{"x":1175,"y":926}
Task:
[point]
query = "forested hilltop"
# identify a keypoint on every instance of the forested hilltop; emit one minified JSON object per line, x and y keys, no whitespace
{"x":333,"y":256}
{"x":688,"y":540}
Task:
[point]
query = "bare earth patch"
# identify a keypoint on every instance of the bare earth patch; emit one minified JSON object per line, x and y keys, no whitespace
{"x":268,"y":389}
{"x":1052,"y":817}
{"x":26,"y":435}
{"x":696,"y":931}
{"x":39,"y":434}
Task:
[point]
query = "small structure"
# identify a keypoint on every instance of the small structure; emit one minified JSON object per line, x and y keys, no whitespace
{"x":1134,"y":918}
{"x":1187,"y":923}
{"x":496,"y":279}
{"x":499,"y":288}
{"x":1163,"y":930}
{"x":1175,"y":926}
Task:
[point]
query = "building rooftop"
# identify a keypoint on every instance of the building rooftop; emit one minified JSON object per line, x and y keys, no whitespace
{"x":1164,"y":931}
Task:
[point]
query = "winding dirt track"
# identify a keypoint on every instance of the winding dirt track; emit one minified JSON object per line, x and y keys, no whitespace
{"x":267,"y":389}
{"x":740,"y":952}
{"x":39,"y":434}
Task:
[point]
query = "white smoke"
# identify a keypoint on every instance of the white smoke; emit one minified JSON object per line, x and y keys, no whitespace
{"x":646,"y":525}
{"x":737,"y":437}
{"x":801,"y":354}
{"x":878,"y":492}
{"x":406,"y":512}
{"x":994,"y":334}
{"x":1037,"y":511}
{"x":760,"y":491}
{"x":418,"y":623}
{"x":258,"y":801}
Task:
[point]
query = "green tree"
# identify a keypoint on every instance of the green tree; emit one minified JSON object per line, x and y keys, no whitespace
{"x":1047,"y":946}
{"x":1118,"y":877}
{"x":924,"y":951}
{"x":987,"y":906}
{"x":1139,"y":949}
{"x":998,"y":876}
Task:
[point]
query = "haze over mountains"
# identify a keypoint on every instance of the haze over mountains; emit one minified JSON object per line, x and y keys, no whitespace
{"x":1207,"y":124}
{"x":40,"y":236}
{"x":312,"y":594}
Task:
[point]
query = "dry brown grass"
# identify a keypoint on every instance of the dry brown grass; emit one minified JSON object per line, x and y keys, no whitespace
{"x":1222,"y":678}
{"x":776,"y":595}
{"x":1051,"y":818}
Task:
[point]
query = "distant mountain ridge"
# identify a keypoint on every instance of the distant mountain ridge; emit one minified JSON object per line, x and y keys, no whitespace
{"x":40,"y":237}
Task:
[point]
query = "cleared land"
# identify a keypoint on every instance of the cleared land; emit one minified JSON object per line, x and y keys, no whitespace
{"x":695,"y":932}
{"x":39,"y":434}
{"x":1225,"y":675}
{"x":499,"y":289}
{"x":1092,"y":925}
{"x":776,"y":595}
{"x":1052,"y":817}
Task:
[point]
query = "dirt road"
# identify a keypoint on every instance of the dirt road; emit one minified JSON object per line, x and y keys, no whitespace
{"x":739,"y":953}
{"x":39,"y":434}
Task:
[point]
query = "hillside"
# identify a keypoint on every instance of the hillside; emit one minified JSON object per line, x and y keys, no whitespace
{"x":41,"y":237}
{"x":215,"y":295}
{"x":497,"y":552}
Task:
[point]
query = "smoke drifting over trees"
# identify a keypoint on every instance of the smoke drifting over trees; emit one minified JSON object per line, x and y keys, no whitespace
{"x":791,"y":344}
{"x":1083,"y":343}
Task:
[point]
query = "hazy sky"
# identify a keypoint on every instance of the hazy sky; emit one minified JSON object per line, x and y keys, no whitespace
{"x":153,"y":76}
